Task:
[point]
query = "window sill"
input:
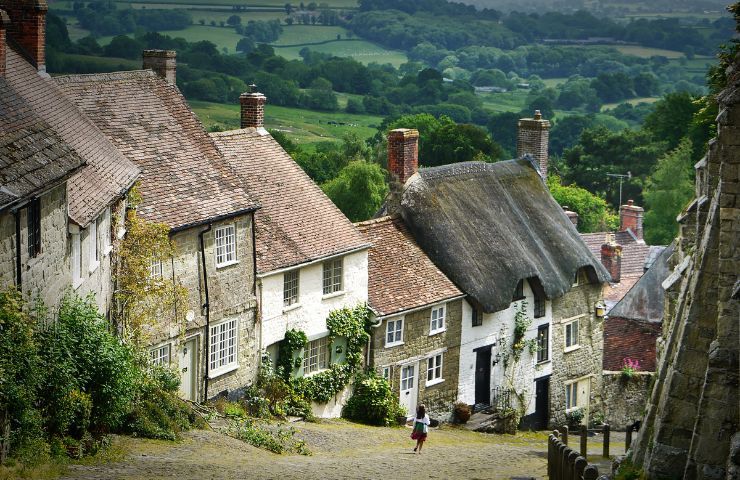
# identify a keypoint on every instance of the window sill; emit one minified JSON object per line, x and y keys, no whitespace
{"x":542,"y":363}
{"x":33,"y":261}
{"x":332,"y":295}
{"x":222,"y":371}
{"x":93,"y":267}
{"x":572,"y":348}
{"x":394,"y":344}
{"x":107,"y":250}
{"x":290,"y":308}
{"x":572,"y":409}
{"x":76,"y":282}
{"x":226,"y":264}
{"x":437,"y":381}
{"x":311,"y":374}
{"x":435,"y":332}
{"x":120,"y":233}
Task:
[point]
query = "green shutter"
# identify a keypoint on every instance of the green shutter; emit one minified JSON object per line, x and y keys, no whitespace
{"x":298,"y":359}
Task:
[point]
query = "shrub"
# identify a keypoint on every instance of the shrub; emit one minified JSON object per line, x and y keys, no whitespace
{"x":372,"y":401}
{"x":629,"y":367}
{"x":574,"y":418}
{"x":461,"y":412}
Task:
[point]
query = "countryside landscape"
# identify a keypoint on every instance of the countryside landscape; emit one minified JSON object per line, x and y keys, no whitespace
{"x":369,"y":239}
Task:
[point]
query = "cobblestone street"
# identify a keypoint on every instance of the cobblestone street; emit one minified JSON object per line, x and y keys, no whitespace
{"x":340,"y":450}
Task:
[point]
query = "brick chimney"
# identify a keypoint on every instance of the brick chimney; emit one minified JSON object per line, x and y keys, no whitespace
{"x":572,"y":216}
{"x":252,"y":108}
{"x":630,"y":217}
{"x":532,"y":137}
{"x":163,"y":62}
{"x":28,"y":28}
{"x":4,"y":24}
{"x":403,"y":153}
{"x":611,"y":258}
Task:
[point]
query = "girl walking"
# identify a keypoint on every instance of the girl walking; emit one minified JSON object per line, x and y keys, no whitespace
{"x":421,"y":428}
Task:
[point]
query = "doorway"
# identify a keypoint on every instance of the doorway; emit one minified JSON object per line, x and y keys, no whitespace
{"x":539,"y":419}
{"x":188,"y":379}
{"x":409,"y":388}
{"x":483,"y":377}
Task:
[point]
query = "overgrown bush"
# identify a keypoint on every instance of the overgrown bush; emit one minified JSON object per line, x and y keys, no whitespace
{"x":574,"y":418}
{"x":461,"y":412}
{"x":372,"y":401}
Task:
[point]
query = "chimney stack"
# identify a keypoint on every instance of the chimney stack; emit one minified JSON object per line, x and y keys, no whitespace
{"x":572,"y":216}
{"x":611,"y":258}
{"x":163,"y":62}
{"x":532,"y":137}
{"x":252,"y":108}
{"x":28,"y":29}
{"x":630,"y":217}
{"x":4,"y":24}
{"x":403,"y":153}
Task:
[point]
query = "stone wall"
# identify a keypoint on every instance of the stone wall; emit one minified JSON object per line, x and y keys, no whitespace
{"x":624,"y":400}
{"x":692,"y":411}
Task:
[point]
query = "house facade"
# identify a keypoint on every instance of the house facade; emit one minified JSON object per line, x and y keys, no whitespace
{"x":310,"y":259}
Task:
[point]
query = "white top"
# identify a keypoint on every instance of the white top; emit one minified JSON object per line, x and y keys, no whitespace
{"x":424,"y":421}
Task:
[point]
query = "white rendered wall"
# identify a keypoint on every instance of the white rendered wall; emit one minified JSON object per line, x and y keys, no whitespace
{"x":494,"y":325}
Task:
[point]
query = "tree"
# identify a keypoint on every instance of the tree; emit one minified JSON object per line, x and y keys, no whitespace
{"x":124,"y":47}
{"x":426,"y":124}
{"x":461,"y":143}
{"x":593,"y":213}
{"x":358,"y":190}
{"x":234,"y":20}
{"x":671,"y":117}
{"x":503,"y":128}
{"x":668,"y":190}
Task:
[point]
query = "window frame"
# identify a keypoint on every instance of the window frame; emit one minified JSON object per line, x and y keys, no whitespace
{"x":386,"y":373}
{"x":156,"y":269}
{"x":223,"y":248}
{"x":571,"y":396}
{"x":543,"y":343}
{"x":156,"y":357}
{"x":476,"y":316}
{"x":33,"y":227}
{"x":290,"y":284}
{"x":398,"y":323}
{"x":229,"y":360}
{"x":435,"y":365}
{"x":321,"y":346}
{"x":331,"y":270}
{"x":540,"y":306}
{"x":441,"y":321}
{"x":105,"y":239}
{"x":568,"y":334}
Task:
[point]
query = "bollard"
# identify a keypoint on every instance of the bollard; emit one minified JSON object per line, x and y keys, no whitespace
{"x":590,"y":473}
{"x":572,"y":464}
{"x":584,"y":441}
{"x":605,"y":451}
{"x":565,"y":434}
{"x":628,"y":438}
{"x":563,"y":454}
{"x":581,"y":465}
{"x":551,"y":453}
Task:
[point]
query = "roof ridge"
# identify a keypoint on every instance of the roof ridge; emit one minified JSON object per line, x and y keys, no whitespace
{"x":235,"y":132}
{"x":119,"y":75}
{"x":372,"y":221}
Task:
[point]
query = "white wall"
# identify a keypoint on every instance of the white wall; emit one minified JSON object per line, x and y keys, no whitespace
{"x":494,"y":325}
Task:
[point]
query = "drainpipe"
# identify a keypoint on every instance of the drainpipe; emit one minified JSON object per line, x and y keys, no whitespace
{"x":258,"y":299}
{"x":206,"y":306}
{"x":372,"y":325}
{"x":18,"y":275}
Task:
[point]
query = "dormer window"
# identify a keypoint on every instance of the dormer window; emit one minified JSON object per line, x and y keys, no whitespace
{"x":519,"y":291}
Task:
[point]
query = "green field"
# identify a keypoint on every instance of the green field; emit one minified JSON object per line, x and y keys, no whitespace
{"x":631,"y":101}
{"x":222,"y":16}
{"x":303,"y":126}
{"x":362,"y":51}
{"x":258,"y":5}
{"x":222,"y":37}
{"x":554,"y":82}
{"x":297,"y":34}
{"x":513,"y":101}
{"x":647,"y":52}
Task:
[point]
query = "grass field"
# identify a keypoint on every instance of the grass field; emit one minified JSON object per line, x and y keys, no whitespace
{"x":296,"y":34}
{"x":303,"y":126}
{"x":647,"y":52}
{"x":360,"y":50}
{"x":222,"y":37}
{"x":343,"y":4}
{"x":513,"y":101}
{"x":221,"y":16}
{"x":554,"y":82}
{"x":631,"y":101}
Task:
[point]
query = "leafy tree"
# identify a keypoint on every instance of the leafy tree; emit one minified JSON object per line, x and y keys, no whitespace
{"x":234,"y":20}
{"x":503,"y":128}
{"x":461,"y":143}
{"x":358,"y":190}
{"x":124,"y":47}
{"x":245,"y":45}
{"x":593,"y":213}
{"x":671,"y":117}
{"x":543,"y":103}
{"x":667,"y":191}
{"x":426,"y":124}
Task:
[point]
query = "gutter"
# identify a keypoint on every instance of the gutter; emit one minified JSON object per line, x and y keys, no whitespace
{"x":18,"y":275}
{"x":426,"y":305}
{"x":206,"y":306}
{"x":315,"y":261}
{"x":211,"y":220}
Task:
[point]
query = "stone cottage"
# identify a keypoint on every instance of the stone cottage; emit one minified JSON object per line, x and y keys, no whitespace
{"x":63,"y":182}
{"x":417,"y":319}
{"x":310,"y":259}
{"x":530,"y":336}
{"x":187,"y":185}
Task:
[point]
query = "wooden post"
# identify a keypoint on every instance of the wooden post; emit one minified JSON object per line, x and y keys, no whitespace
{"x":550,"y":458}
{"x":605,"y":452}
{"x":590,"y":473}
{"x":572,"y":457}
{"x":628,"y":438}
{"x":584,"y":441}
{"x":581,"y":465}
{"x":561,"y":461}
{"x":565,"y":434}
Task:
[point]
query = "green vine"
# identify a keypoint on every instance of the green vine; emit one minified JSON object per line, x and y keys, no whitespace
{"x":295,"y":341}
{"x":522,"y":322}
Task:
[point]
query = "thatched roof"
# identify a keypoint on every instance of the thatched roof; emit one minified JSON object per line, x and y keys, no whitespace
{"x":487,"y":226}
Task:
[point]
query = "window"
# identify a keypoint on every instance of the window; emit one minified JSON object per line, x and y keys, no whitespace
{"x":155,"y":269}
{"x":434,"y":369}
{"x":571,"y":395}
{"x":543,"y":343}
{"x":92,"y":244}
{"x":33,"y":222}
{"x":519,"y":291}
{"x":476,"y":316}
{"x":387,"y":373}
{"x":316,"y":356}
{"x":105,"y":232}
{"x":571,"y":334}
{"x":290,"y":288}
{"x":394,"y":332}
{"x":225,"y":245}
{"x":76,"y":259}
{"x":437,"y":323}
{"x":223,"y":347}
{"x":160,"y":355}
{"x":333,"y":276}
{"x":539,"y":306}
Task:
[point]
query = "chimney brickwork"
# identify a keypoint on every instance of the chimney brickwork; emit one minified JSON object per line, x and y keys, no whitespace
{"x":163,"y":62}
{"x":252,"y":109}
{"x":533,"y":135}
{"x":4,"y":24}
{"x":403,"y":153}
{"x":572,"y":216}
{"x":611,"y":258}
{"x":28,"y":28}
{"x":630,"y":217}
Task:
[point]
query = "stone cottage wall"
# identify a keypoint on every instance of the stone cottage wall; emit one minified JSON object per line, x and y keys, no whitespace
{"x":624,"y":400}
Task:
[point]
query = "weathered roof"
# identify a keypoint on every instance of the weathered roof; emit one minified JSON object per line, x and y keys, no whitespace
{"x":644,"y":301}
{"x":487,"y":226}
{"x":185,"y":181}
{"x":401,"y":276}
{"x":297,"y":222}
{"x":107,"y":173}
{"x":634,"y":253}
{"x":33,"y":156}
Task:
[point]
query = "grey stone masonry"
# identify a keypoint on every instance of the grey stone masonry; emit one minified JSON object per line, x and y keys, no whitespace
{"x":532,"y":138}
{"x":163,"y":62}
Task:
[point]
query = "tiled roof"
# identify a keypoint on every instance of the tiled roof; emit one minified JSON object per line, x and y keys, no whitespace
{"x":401,"y":276}
{"x":634,"y":253}
{"x":297,"y":222}
{"x":32,"y":155}
{"x":107,"y":174}
{"x":625,"y":338}
{"x":185,"y":181}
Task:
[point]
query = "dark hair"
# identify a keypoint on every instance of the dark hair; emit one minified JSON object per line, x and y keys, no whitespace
{"x":421,"y":410}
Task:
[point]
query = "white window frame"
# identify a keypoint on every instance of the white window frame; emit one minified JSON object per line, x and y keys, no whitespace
{"x":223,"y":347}
{"x":571,"y":396}
{"x":291,"y":301}
{"x":394,"y":327}
{"x":312,"y":356}
{"x":330,"y":285}
{"x":438,"y":323}
{"x":434,"y":369}
{"x":574,"y":343}
{"x":161,"y":355}
{"x":156,"y":272}
{"x":76,"y":260}
{"x":92,"y":245}
{"x":105,"y":240}
{"x":224,"y":238}
{"x":387,"y":373}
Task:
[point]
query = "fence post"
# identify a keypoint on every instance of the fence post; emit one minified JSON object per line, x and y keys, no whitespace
{"x":550,"y":456}
{"x":561,"y":461}
{"x":581,"y":465}
{"x":584,"y":441}
{"x":565,"y":467}
{"x":605,"y":452}
{"x":565,"y":434}
{"x":590,"y":473}
{"x":628,"y":438}
{"x":572,"y":457}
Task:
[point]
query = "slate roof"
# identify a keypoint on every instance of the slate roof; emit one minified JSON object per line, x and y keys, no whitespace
{"x":634,"y":252}
{"x":401,"y":276}
{"x":297,"y":222}
{"x":107,"y":173}
{"x":185,"y":181}
{"x":487,"y":226}
{"x":33,"y":156}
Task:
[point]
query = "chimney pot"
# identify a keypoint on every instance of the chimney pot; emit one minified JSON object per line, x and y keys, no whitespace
{"x":163,"y":62}
{"x":611,"y":258}
{"x":252,"y":108}
{"x":403,"y":153}
{"x":533,"y":135}
{"x":630,"y":218}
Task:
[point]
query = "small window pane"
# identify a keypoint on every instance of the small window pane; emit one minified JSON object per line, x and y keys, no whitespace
{"x":437,"y":322}
{"x":155,"y":269}
{"x":290,"y":288}
{"x":225,"y":245}
{"x":316,"y":355}
{"x":33,"y":225}
{"x":543,"y":343}
{"x":160,"y":355}
{"x":223,"y":345}
{"x":434,"y":368}
{"x":332,"y":281}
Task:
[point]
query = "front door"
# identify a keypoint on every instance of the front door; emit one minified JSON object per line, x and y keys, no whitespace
{"x":541,"y":416}
{"x":483,"y":376}
{"x":188,"y":380}
{"x":408,"y":388}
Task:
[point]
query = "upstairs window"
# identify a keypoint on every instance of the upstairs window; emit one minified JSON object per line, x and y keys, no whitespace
{"x":76,"y":259}
{"x":225,"y":245}
{"x":290,"y":288}
{"x":437,"y":320}
{"x":543,"y":343}
{"x":394,"y":332}
{"x":434,"y":369}
{"x":519,"y":291}
{"x":476,"y":316}
{"x":571,"y":334}
{"x":155,"y":269}
{"x":539,"y":306}
{"x":333,"y":276}
{"x":33,"y":223}
{"x":92,"y":238}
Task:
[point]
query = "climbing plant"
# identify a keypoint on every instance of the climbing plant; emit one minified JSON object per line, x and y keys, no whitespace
{"x":294,"y":341}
